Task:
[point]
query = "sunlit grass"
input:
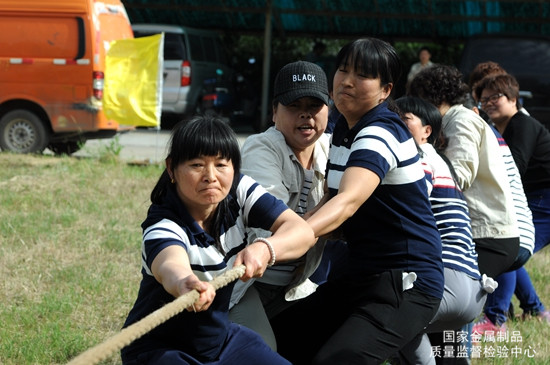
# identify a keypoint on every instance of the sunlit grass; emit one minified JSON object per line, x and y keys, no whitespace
{"x":69,"y":253}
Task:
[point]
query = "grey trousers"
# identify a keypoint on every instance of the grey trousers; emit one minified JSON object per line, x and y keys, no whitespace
{"x":463,"y":300}
{"x":250,"y":313}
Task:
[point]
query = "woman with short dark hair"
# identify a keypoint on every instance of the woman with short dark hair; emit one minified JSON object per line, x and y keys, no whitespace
{"x":195,"y":230}
{"x":377,"y":196}
{"x":529,"y":142}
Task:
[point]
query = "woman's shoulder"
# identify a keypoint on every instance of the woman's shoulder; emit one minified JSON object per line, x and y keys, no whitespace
{"x":165,"y":224}
{"x":467,"y":118}
{"x":529,"y":127}
{"x":387,"y":123}
{"x":271,"y":141}
{"x":434,"y":160}
{"x":271,"y":135}
{"x":526,"y":119}
{"x":247,"y":187}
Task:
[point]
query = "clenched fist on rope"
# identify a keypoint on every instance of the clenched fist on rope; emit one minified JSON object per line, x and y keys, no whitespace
{"x":171,"y":268}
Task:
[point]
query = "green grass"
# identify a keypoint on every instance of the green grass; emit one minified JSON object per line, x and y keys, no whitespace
{"x":69,"y":253}
{"x":70,"y":258}
{"x":533,"y":344}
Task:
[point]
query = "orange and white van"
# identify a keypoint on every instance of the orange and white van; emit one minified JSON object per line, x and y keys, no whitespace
{"x":52,"y":63}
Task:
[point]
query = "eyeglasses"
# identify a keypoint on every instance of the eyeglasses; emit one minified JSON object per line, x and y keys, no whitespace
{"x":493,"y":98}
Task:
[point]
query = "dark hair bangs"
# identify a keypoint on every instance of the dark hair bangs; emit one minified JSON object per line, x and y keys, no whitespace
{"x":352,"y":56}
{"x":409,"y":104}
{"x":205,"y":136}
{"x":425,"y":111}
{"x":372,"y":58}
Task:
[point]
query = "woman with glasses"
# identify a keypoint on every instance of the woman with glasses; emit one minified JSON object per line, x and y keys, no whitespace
{"x":529,"y":142}
{"x":490,"y":99}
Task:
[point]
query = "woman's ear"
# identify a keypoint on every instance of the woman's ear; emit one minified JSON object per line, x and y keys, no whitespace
{"x":428,"y":130}
{"x":168,"y":164}
{"x":386,"y":90}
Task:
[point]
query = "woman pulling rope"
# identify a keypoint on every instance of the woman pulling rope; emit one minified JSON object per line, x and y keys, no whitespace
{"x":195,"y":229}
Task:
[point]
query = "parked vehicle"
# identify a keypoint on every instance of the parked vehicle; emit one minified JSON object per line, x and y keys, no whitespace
{"x":241,"y":105}
{"x":216,"y":98}
{"x":525,"y":57}
{"x":51,"y":72}
{"x":191,"y":56}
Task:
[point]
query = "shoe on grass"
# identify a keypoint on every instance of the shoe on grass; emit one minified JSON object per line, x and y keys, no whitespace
{"x":484,"y":325}
{"x":543,"y":316}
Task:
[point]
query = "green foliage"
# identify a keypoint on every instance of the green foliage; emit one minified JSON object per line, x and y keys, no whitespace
{"x":287,"y":49}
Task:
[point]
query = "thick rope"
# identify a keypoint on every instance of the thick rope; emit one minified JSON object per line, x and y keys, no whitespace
{"x":146,"y":324}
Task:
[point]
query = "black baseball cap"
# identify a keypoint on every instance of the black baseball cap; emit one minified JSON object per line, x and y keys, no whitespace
{"x":299,"y":79}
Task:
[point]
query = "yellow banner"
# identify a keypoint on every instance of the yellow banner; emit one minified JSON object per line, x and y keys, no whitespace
{"x":132,"y":92}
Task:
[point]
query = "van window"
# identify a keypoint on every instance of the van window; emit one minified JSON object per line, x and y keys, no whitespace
{"x":174,"y":47}
{"x":528,"y":59}
{"x":45,"y":37}
{"x":209,"y":49}
{"x":222,"y":55}
{"x":195,"y":44}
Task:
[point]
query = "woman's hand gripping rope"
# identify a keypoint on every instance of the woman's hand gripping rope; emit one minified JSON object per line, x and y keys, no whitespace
{"x":146,"y":324}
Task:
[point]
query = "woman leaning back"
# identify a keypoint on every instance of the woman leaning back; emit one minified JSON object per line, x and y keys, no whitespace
{"x":377,"y":195}
{"x":195,"y":230}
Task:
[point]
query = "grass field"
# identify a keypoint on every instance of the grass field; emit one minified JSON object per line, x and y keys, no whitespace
{"x":70,"y":260}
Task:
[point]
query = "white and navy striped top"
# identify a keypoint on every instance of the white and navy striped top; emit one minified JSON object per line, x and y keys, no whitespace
{"x":451,"y":214}
{"x":206,"y":260}
{"x":395,"y":228}
{"x":524,"y":215}
{"x":201,"y":334}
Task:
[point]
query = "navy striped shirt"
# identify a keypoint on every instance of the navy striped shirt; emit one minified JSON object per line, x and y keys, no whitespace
{"x":200,"y":334}
{"x":395,"y":228}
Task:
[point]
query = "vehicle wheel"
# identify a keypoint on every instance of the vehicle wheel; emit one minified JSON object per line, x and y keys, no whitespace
{"x":22,"y":131}
{"x":66,"y":148}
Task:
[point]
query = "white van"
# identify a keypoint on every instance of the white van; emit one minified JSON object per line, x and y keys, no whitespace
{"x":193,"y":60}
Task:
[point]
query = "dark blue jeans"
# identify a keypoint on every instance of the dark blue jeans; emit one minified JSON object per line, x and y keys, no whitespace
{"x":242,"y":346}
{"x":518,"y":281}
{"x":539,"y":203}
{"x":498,"y":302}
